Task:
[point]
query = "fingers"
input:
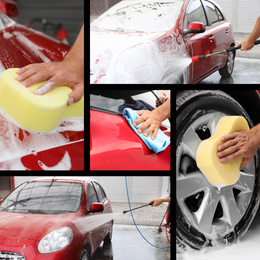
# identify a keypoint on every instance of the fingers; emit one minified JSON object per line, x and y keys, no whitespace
{"x":149,"y":125}
{"x":239,"y":44}
{"x":139,"y":120}
{"x":75,"y":96}
{"x":30,"y":75}
{"x":49,"y":85}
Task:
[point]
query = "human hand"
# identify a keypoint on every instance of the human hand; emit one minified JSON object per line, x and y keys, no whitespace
{"x":163,"y":96}
{"x":246,"y":45}
{"x":156,"y":202}
{"x":56,"y":74}
{"x":237,"y":145}
{"x":151,"y":120}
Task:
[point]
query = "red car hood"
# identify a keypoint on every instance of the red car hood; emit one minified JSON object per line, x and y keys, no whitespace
{"x":31,"y":226}
{"x":114,"y":44}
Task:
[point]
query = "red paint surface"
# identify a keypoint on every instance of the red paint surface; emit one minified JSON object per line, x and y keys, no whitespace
{"x":115,"y":146}
{"x":21,"y":233}
{"x":16,"y":52}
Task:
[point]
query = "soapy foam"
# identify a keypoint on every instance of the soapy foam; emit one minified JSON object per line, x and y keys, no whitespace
{"x":16,"y":143}
{"x":115,"y":62}
{"x":44,"y":88}
{"x":31,"y":45}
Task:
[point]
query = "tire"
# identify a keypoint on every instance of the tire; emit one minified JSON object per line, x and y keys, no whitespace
{"x":85,"y":255}
{"x":206,"y":216}
{"x":227,"y":70}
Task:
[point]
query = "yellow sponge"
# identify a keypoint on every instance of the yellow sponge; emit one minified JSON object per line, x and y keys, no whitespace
{"x":36,"y":113}
{"x":217,"y":173}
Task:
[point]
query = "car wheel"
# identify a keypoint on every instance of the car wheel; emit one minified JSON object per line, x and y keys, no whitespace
{"x":204,"y":214}
{"x":85,"y":255}
{"x":108,"y":238}
{"x":227,"y":70}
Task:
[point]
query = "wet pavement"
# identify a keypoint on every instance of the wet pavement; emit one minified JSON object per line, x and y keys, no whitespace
{"x":246,"y":71}
{"x":127,"y":244}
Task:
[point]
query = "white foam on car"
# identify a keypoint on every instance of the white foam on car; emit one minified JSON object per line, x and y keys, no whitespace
{"x":131,"y":56}
{"x":16,"y":143}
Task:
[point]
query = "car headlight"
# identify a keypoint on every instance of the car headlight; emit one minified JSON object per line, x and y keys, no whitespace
{"x":133,"y":58}
{"x":56,"y":240}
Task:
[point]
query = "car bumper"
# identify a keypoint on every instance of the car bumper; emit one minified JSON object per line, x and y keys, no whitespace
{"x":26,"y":249}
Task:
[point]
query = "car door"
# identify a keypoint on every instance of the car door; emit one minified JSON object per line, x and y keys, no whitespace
{"x":97,"y":233}
{"x":201,"y":43}
{"x":220,"y":30}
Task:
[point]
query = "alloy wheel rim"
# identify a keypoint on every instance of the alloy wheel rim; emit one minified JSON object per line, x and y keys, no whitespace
{"x":209,"y":210}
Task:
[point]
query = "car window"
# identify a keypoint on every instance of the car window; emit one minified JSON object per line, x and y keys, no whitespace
{"x":100,"y":192}
{"x":213,"y":12}
{"x":220,"y":15}
{"x":136,"y":15}
{"x":44,"y":198}
{"x":91,"y":196}
{"x":195,"y":13}
{"x":145,"y":101}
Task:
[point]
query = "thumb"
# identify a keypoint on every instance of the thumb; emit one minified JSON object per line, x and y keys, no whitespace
{"x":76,"y":94}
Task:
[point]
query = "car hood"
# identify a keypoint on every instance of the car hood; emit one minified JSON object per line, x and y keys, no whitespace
{"x":105,"y":51}
{"x":31,"y":226}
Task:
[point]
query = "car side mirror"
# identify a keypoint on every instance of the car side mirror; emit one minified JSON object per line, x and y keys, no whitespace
{"x":9,"y":8}
{"x":194,"y":27}
{"x":96,"y":207}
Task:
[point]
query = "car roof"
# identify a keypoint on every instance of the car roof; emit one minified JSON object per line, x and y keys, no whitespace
{"x":63,"y":178}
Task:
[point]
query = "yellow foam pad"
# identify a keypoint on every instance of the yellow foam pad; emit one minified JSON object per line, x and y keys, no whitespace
{"x":36,"y":113}
{"x":217,"y":173}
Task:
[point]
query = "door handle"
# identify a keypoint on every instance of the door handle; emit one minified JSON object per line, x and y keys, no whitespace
{"x":211,"y":38}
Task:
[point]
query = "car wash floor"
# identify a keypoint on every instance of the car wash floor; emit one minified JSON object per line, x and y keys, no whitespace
{"x":246,"y":248}
{"x":246,"y":70}
{"x":128,"y":244}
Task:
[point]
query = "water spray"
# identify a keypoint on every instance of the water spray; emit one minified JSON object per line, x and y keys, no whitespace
{"x":197,"y":58}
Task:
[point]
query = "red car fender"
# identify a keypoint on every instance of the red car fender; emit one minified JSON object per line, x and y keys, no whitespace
{"x":115,"y":146}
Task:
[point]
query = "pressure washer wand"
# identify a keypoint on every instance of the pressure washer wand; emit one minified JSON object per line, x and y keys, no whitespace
{"x":197,"y":58}
{"x":125,"y":211}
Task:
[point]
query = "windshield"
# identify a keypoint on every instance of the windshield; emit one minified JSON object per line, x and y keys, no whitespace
{"x":140,"y":16}
{"x":44,"y":198}
{"x":5,"y":21}
{"x":145,"y":101}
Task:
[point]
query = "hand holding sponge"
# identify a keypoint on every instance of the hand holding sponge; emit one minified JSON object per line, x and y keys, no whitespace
{"x":217,"y":173}
{"x":36,"y":113}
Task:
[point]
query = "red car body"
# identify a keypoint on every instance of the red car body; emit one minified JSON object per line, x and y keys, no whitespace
{"x":158,"y":55}
{"x":115,"y":146}
{"x":64,"y":149}
{"x":20,"y":233}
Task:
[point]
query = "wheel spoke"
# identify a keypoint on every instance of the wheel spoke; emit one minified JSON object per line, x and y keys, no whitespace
{"x":190,"y":185}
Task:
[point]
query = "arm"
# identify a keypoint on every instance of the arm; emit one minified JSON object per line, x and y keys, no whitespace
{"x":157,"y":202}
{"x":69,"y":72}
{"x":240,"y":144}
{"x":248,"y":43}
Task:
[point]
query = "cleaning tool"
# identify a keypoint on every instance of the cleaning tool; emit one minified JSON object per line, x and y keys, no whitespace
{"x":217,"y":173}
{"x":36,"y":113}
{"x":159,"y":247}
{"x":197,"y":58}
{"x":161,"y":141}
{"x":160,"y":226}
{"x":125,"y":211}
